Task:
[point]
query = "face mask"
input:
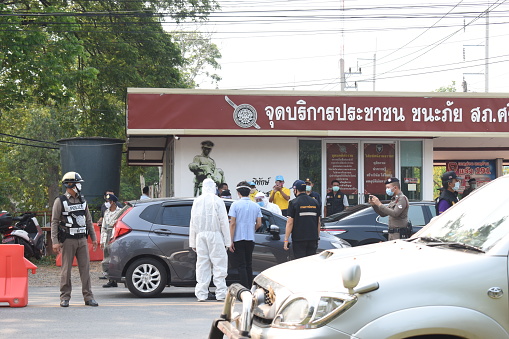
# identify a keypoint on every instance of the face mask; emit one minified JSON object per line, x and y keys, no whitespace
{"x":456,"y":186}
{"x":107,"y":204}
{"x":389,"y":192}
{"x":335,"y":188}
{"x":473,"y":186}
{"x":260,"y":203}
{"x":308,"y":188}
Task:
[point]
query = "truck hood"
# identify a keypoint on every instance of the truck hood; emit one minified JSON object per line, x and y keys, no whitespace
{"x":378,"y":263}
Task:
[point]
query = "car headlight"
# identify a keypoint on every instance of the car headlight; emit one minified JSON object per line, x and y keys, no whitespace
{"x":312,"y":311}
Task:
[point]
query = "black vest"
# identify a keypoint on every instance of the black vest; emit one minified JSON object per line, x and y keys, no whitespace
{"x":448,"y":196}
{"x":334,"y":202}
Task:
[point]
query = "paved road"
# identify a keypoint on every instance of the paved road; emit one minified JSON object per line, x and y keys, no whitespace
{"x":175,"y":314}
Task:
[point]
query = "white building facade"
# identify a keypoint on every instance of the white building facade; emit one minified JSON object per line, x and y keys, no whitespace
{"x":360,"y":139}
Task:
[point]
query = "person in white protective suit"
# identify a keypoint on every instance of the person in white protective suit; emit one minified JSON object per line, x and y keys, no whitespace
{"x":209,"y":237}
{"x":262,"y":200}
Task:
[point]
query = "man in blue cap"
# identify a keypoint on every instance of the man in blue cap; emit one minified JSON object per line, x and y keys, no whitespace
{"x":303,"y":222}
{"x":280,"y":195}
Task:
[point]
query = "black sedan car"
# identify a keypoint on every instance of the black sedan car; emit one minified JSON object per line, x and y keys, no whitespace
{"x":360,"y":225}
{"x":149,"y":249}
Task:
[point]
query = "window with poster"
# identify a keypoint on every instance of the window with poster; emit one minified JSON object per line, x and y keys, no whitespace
{"x":379,"y":165}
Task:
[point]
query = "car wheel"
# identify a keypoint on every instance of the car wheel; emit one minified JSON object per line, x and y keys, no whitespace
{"x":146,"y":278}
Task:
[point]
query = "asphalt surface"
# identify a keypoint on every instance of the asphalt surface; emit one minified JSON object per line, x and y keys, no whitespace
{"x":175,"y":314}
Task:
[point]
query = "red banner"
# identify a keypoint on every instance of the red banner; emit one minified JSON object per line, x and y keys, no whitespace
{"x":379,"y":165}
{"x":342,"y":165}
{"x":271,"y":113}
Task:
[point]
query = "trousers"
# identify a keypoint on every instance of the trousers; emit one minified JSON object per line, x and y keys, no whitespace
{"x":303,"y":249}
{"x":242,"y":259}
{"x":75,"y":248}
{"x":211,"y":259}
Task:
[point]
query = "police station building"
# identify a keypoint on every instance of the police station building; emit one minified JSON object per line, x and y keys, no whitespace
{"x":358,"y":138}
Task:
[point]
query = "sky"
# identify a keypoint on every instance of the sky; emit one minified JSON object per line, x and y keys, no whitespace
{"x":386,"y":45}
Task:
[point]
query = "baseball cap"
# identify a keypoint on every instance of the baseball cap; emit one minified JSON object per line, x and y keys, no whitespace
{"x":449,"y":175}
{"x":471,"y":180}
{"x":280,"y":178}
{"x":299,"y":185}
{"x":251,"y":183}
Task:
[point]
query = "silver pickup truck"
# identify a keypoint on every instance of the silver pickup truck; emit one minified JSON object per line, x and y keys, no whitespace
{"x":450,"y":280}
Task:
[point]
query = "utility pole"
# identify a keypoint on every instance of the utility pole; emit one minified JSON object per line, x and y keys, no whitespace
{"x":486,"y":49}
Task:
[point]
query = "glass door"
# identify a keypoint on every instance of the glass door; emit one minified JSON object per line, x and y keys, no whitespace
{"x":379,"y":164}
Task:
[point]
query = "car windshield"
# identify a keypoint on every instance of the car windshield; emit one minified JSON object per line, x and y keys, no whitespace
{"x":480,"y":220}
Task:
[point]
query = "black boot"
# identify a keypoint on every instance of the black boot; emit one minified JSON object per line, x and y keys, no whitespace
{"x":111,"y":283}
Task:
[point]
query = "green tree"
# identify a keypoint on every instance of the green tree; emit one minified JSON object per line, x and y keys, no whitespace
{"x":64,"y":70}
{"x":450,"y":88}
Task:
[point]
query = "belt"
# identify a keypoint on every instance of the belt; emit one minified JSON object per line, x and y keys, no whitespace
{"x":395,"y":230}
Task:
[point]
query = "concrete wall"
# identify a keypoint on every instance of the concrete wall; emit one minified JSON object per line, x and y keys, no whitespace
{"x":241,"y":158}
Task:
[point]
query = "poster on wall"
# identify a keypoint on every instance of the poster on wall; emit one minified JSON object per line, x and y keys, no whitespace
{"x":483,"y":171}
{"x":378,"y":167}
{"x":342,"y":165}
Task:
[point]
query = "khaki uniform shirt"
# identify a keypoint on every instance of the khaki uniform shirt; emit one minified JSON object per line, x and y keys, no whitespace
{"x":397,"y":210}
{"x":57,"y":217}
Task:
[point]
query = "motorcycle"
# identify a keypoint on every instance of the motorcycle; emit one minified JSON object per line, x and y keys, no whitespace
{"x":26,"y":232}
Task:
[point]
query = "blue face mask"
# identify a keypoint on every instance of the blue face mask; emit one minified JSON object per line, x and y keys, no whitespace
{"x":456,"y":186}
{"x":389,"y":192}
{"x":335,"y":188}
{"x":260,"y":203}
{"x":308,"y":188}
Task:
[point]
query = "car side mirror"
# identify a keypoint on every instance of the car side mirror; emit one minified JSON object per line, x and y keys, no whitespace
{"x":274,"y":230}
{"x":351,"y":276}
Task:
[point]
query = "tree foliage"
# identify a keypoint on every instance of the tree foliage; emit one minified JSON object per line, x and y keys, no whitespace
{"x":64,"y":70}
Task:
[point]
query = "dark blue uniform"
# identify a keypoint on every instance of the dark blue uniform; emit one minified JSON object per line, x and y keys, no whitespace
{"x":305,"y":213}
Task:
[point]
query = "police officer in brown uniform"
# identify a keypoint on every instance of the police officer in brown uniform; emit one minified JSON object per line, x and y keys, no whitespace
{"x":71,"y":223}
{"x":397,"y":210}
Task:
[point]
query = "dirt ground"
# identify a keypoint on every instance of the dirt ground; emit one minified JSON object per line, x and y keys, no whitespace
{"x":49,"y":275}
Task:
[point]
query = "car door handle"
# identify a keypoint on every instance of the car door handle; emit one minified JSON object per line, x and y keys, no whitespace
{"x":385,"y":231}
{"x":163,"y":231}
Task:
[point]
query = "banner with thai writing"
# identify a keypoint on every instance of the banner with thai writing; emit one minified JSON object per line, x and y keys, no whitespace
{"x":379,"y":164}
{"x":342,"y":165}
{"x":314,"y":113}
{"x":483,"y":171}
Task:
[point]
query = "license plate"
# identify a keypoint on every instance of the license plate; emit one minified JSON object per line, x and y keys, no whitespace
{"x":7,"y":239}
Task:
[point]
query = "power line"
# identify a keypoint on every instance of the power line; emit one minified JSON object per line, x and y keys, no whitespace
{"x":23,"y":138}
{"x":20,"y":144}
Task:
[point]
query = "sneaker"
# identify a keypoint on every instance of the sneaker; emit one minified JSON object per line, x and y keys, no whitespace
{"x":110,"y":283}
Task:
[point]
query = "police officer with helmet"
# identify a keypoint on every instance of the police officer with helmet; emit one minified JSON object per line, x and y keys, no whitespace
{"x":71,"y":223}
{"x":449,"y":195}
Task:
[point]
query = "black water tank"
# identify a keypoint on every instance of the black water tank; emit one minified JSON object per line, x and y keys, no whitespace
{"x":97,"y":160}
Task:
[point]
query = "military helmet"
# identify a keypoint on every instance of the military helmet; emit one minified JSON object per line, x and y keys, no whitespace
{"x":71,"y":177}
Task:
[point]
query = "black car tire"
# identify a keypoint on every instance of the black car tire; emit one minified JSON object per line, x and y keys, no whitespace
{"x":146,"y":278}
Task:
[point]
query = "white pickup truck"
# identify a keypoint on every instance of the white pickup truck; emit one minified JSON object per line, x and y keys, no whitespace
{"x":450,"y":280}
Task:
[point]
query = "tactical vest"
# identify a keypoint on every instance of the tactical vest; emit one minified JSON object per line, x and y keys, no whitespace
{"x":448,"y":196}
{"x":75,"y":225}
{"x":334,"y":202}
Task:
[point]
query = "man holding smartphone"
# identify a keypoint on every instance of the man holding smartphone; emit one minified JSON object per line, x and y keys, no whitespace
{"x":397,"y":209}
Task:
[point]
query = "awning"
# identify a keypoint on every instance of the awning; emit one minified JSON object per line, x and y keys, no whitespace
{"x":146,"y":150}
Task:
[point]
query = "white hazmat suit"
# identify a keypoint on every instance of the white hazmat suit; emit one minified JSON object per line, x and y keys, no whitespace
{"x":266,"y":204}
{"x":209,"y":236}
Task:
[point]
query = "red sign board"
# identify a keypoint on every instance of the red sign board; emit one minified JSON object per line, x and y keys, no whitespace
{"x":379,"y":164}
{"x":342,"y":165}
{"x":188,"y":112}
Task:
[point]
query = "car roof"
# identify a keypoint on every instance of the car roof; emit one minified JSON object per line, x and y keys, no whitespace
{"x":356,"y":208}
